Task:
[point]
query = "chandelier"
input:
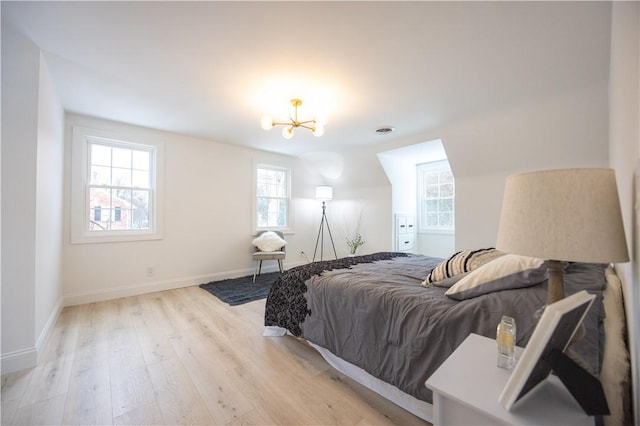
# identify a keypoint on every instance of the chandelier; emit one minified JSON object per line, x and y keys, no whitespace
{"x":315,"y":125}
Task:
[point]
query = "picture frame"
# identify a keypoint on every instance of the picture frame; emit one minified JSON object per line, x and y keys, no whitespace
{"x":545,"y":349}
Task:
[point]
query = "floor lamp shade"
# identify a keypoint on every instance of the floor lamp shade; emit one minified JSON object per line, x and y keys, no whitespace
{"x":324,"y":193}
{"x":564,"y":215}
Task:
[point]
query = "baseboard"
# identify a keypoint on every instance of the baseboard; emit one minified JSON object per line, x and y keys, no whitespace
{"x":81,"y":298}
{"x":28,"y":358}
{"x":19,"y":360}
{"x":48,"y":327}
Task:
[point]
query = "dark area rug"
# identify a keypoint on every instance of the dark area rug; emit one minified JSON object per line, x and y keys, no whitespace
{"x":236,"y":291}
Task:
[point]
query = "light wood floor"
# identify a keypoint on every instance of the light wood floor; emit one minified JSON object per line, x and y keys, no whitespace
{"x":183,"y":357}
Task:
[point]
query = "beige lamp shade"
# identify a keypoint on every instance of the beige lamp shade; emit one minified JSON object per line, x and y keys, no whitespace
{"x":565,"y":215}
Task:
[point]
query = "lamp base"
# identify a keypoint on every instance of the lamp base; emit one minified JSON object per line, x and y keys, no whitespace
{"x":555,"y":270}
{"x":555,"y":292}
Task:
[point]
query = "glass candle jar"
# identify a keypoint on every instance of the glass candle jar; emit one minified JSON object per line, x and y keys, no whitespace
{"x":506,"y":340}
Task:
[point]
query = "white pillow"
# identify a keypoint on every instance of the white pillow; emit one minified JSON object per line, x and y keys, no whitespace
{"x":269,"y":241}
{"x":504,"y":273}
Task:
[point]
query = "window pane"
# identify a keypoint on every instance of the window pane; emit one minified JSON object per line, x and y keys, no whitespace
{"x":432,"y":191}
{"x":431,"y":178}
{"x":446,"y":220}
{"x":100,"y":155}
{"x":446,"y":176}
{"x":122,"y":158}
{"x":431,"y":206}
{"x":100,"y":175}
{"x":140,"y":179}
{"x":446,"y":190}
{"x":121,"y":177}
{"x":140,"y":209}
{"x":141,"y":160}
{"x":99,"y":208}
{"x":432,"y":219}
{"x":445,"y":205}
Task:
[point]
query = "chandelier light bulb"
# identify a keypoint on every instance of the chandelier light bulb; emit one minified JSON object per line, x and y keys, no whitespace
{"x":287,"y":132}
{"x":321,"y":120}
{"x":266,"y":122}
{"x":319,"y":131}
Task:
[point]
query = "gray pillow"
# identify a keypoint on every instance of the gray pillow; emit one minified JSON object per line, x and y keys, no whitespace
{"x":504,"y":273}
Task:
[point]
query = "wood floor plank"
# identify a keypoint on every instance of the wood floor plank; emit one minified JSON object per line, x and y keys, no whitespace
{"x":153,"y":328}
{"x":63,"y":336}
{"x":49,"y":379}
{"x":42,"y":412}
{"x":89,"y":396}
{"x":221,"y":397}
{"x":178,"y":399}
{"x":148,"y":414}
{"x":13,"y":389}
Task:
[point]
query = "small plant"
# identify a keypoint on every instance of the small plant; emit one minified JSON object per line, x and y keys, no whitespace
{"x":354,"y":243}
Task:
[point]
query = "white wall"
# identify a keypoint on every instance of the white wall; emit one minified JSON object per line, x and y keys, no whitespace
{"x":49,"y":196}
{"x":624,"y":134}
{"x":31,"y":179}
{"x":19,"y":137}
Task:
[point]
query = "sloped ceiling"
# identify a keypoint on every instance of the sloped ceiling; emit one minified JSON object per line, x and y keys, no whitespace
{"x":212,"y":69}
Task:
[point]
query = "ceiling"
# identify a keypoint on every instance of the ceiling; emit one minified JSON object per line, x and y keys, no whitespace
{"x":212,"y":69}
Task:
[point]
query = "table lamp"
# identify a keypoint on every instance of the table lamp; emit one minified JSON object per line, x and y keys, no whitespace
{"x":569,"y":215}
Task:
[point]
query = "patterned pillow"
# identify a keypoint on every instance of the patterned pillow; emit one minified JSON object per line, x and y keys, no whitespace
{"x":269,"y":241}
{"x":460,"y":263}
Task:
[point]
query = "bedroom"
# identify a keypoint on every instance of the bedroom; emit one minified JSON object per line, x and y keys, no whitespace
{"x":38,"y":259}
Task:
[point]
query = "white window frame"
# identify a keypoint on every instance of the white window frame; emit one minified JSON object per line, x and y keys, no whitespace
{"x":80,"y":168}
{"x":435,"y":166}
{"x":288,"y":228}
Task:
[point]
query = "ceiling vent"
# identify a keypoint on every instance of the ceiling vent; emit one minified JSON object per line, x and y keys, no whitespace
{"x":385,"y":130}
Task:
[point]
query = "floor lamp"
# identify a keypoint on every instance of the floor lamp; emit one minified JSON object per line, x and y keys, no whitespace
{"x":324,"y":193}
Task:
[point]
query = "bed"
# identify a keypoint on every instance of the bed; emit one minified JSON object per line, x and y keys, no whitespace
{"x":387,"y":321}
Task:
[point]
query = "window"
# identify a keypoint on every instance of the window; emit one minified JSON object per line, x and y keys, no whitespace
{"x":436,"y":197}
{"x":273,"y":187}
{"x":115,"y":188}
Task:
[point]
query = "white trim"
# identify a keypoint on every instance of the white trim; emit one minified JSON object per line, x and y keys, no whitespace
{"x":437,"y":231}
{"x":144,"y":288}
{"x":48,"y":327}
{"x":19,"y":360}
{"x":78,"y":213}
{"x":92,"y":296}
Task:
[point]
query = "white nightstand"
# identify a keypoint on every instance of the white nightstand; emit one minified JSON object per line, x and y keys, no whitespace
{"x":467,"y":385}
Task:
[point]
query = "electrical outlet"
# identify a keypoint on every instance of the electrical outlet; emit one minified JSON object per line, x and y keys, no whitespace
{"x":150,"y":272}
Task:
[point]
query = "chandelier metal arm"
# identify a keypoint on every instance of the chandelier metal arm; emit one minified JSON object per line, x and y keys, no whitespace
{"x":295,"y":123}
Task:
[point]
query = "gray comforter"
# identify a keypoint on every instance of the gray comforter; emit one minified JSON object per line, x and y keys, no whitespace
{"x":377,"y":316}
